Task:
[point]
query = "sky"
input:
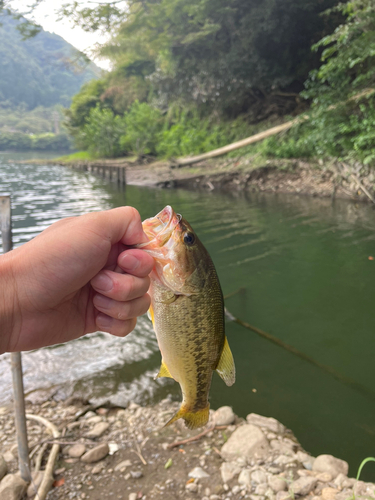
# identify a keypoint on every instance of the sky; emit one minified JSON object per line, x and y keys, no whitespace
{"x":46,"y":16}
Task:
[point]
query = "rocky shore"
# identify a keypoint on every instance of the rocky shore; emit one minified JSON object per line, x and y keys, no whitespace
{"x":126,"y":454}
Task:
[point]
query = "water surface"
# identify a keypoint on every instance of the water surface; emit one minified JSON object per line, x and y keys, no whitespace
{"x":306,"y":277}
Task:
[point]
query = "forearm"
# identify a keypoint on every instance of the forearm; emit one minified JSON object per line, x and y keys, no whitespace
{"x":8,"y":301}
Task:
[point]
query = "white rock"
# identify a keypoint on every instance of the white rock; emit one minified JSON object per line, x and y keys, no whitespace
{"x":269,"y":423}
{"x":282,"y":447}
{"x":122,"y":465}
{"x":259,"y":477}
{"x":89,"y":414}
{"x":245,"y":477}
{"x":3,"y":467}
{"x":8,"y":456}
{"x":329,"y":493}
{"x":229,"y":470}
{"x":198,"y":473}
{"x":324,"y":477}
{"x":247,"y":441}
{"x":305,"y":459}
{"x":133,"y":496}
{"x":97,"y":430}
{"x":303,"y":485}
{"x":224,"y":416}
{"x":339,"y":480}
{"x":328,"y":463}
{"x":277,"y":483}
{"x":236,"y":489}
{"x":12,"y":487}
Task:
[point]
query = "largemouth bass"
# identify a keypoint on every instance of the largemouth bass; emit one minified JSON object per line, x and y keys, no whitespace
{"x":187,"y":312}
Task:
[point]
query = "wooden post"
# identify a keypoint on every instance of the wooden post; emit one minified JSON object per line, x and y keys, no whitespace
{"x":16,"y":361}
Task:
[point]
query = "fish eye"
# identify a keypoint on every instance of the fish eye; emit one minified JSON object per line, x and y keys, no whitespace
{"x":189,"y":238}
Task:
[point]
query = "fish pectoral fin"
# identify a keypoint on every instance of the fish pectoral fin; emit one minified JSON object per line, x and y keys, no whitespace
{"x":225,"y":368}
{"x":150,"y":314}
{"x":193,"y":420}
{"x":163,"y":372}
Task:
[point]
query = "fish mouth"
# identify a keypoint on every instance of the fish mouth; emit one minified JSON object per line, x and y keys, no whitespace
{"x":160,"y":227}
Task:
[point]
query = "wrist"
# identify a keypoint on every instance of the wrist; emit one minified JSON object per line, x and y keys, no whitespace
{"x":9,"y":317}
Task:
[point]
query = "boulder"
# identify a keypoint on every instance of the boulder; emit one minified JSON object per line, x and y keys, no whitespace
{"x":328,"y":463}
{"x":269,"y":423}
{"x":224,"y":416}
{"x":12,"y":487}
{"x":246,"y":441}
{"x":96,"y":454}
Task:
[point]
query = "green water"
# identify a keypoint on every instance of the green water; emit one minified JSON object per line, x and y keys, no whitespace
{"x":306,"y":278}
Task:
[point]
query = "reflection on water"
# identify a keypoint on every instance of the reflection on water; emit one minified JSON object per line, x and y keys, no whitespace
{"x":303,"y":264}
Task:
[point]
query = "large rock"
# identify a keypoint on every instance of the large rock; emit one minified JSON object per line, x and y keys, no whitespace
{"x":245,"y":477}
{"x":224,"y":416}
{"x":303,"y":485}
{"x":12,"y":487}
{"x":269,"y":423}
{"x":229,"y":470}
{"x":96,"y":454}
{"x":3,"y":467}
{"x":246,"y":441}
{"x":328,"y":463}
{"x":97,"y":430}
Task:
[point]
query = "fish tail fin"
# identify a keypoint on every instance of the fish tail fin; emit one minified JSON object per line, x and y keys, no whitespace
{"x":193,"y":420}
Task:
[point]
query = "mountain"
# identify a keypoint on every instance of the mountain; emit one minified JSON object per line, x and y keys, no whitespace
{"x":41,"y":71}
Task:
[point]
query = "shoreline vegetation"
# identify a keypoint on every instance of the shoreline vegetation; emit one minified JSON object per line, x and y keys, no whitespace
{"x":111,"y":452}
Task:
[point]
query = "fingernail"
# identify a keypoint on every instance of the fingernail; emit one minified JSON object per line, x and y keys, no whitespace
{"x":101,"y":302}
{"x":102,"y":282}
{"x":129,"y":262}
{"x":103,"y":321}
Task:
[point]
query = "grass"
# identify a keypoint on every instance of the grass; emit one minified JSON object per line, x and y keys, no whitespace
{"x":80,"y":155}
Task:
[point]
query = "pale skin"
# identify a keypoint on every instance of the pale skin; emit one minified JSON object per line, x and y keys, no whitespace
{"x":77,"y":277}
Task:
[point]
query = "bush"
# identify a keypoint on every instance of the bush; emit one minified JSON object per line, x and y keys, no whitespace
{"x":102,"y":132}
{"x":143,"y":126}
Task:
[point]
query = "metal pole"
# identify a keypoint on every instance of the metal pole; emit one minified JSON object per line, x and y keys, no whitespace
{"x":16,"y":362}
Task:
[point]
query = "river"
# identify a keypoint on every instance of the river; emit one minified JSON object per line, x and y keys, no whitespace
{"x":304,"y":274}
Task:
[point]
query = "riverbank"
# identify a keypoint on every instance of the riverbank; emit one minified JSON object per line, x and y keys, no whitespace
{"x":244,"y":173}
{"x":128,"y":454}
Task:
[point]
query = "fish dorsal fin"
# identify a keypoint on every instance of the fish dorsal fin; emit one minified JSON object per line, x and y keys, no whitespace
{"x":150,"y":314}
{"x":163,"y":372}
{"x":225,"y":367}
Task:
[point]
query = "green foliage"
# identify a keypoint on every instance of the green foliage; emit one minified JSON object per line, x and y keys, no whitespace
{"x":40,"y":71}
{"x":17,"y":141}
{"x":143,"y":125}
{"x":342,"y":120}
{"x":101,"y":133}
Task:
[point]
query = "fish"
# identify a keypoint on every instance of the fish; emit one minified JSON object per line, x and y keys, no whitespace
{"x":187,"y":313}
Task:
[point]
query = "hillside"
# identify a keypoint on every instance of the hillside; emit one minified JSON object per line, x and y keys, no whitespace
{"x":40,"y":71}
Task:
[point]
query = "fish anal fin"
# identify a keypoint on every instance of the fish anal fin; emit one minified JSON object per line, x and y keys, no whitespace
{"x":225,"y":367}
{"x":150,"y":314}
{"x":193,"y":420}
{"x":163,"y":372}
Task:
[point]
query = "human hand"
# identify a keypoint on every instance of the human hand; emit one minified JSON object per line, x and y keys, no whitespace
{"x":76,"y":277}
